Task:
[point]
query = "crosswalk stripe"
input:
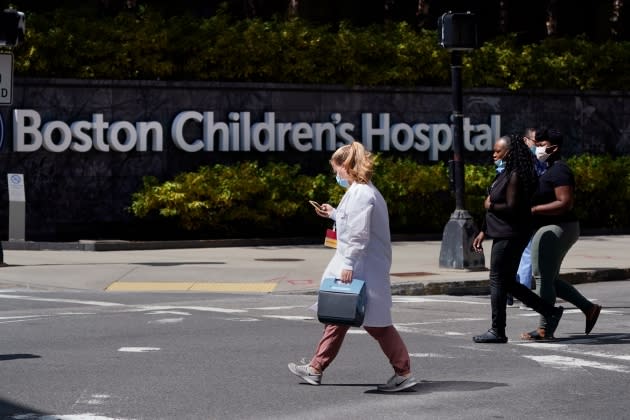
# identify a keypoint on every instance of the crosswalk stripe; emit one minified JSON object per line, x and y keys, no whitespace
{"x":221,"y":287}
{"x":234,"y":287}
{"x":565,"y":363}
{"x":422,"y":299}
{"x":80,"y":302}
{"x":567,"y":349}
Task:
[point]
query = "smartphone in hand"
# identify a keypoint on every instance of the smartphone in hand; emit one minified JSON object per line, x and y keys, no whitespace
{"x":316,"y":205}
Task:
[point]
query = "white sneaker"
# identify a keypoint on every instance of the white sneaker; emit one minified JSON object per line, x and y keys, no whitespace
{"x":306,"y":372}
{"x":398,"y":383}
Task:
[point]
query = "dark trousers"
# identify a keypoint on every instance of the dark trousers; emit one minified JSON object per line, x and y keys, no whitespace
{"x":504,"y":261}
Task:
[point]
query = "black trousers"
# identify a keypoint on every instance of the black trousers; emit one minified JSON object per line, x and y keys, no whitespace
{"x":504,"y":260}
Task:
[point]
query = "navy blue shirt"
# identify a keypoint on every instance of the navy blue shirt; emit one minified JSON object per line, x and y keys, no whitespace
{"x":558,"y":174}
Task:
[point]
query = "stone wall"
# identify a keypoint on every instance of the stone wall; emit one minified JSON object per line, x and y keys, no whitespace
{"x":75,"y":195}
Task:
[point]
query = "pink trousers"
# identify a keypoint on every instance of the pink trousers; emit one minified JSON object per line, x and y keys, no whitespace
{"x":387,"y":337}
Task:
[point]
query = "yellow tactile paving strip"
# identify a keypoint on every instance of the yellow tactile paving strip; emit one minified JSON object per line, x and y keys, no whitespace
{"x":154,"y":286}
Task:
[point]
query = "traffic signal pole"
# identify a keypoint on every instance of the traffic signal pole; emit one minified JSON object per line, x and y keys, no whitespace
{"x":458,"y":33}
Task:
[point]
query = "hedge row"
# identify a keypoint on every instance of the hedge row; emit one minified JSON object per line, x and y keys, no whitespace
{"x":250,"y":200}
{"x":71,"y":44}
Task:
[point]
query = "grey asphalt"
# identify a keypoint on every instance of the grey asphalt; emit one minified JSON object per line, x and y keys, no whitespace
{"x":250,"y":267}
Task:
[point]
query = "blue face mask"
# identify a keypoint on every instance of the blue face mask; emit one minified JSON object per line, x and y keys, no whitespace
{"x":533,"y":150}
{"x":343,"y":182}
{"x":500,"y":164}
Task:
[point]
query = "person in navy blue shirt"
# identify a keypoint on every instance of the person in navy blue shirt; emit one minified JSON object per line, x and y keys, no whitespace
{"x":557,"y":229}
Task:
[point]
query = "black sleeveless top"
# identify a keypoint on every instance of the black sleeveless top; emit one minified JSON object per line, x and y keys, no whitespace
{"x":510,"y":215}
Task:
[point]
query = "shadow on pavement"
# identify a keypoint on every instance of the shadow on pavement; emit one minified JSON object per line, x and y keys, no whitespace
{"x":428,"y":387}
{"x":19,"y":356}
{"x":149,"y":263}
{"x":11,"y":410}
{"x":595,"y":339}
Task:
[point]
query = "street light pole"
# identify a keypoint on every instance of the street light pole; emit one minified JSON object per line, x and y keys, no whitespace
{"x":458,"y":33}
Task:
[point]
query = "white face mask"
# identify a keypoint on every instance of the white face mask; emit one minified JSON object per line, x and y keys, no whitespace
{"x":541,"y":153}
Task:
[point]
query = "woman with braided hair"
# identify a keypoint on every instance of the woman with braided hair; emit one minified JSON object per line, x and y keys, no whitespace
{"x":508,"y":222}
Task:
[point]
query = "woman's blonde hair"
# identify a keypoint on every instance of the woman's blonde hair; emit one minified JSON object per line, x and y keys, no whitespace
{"x":357,"y":161}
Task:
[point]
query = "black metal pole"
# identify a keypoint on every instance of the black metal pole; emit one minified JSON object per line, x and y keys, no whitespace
{"x":456,"y":251}
{"x":458,"y":128}
{"x":458,"y":32}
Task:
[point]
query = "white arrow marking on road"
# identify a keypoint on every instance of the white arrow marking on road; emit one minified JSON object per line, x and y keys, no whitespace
{"x":437,"y":355}
{"x":275,"y":308}
{"x":406,"y":328}
{"x":23,"y":318}
{"x":574,"y":311}
{"x":419,"y":299}
{"x":94,"y":399}
{"x":166,"y":321}
{"x":138,"y":349}
{"x":566,"y":363}
{"x":168,"y":313}
{"x":290,"y":317}
{"x":188,"y":308}
{"x":80,"y":302}
{"x":565,"y":348}
{"x":242,"y":319}
{"x":76,"y":313}
{"x":566,"y":312}
{"x":439,"y":321}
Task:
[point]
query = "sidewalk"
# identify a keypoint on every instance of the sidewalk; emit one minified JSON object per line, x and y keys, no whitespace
{"x":268,"y":269}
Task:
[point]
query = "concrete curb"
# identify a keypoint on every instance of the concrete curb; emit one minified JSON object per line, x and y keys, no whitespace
{"x":482,"y":287}
{"x":119,"y":245}
{"x":122,"y":245}
{"x":455,"y":288}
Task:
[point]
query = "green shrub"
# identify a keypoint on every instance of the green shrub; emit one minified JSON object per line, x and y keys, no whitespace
{"x":554,"y":63}
{"x":477,"y":179}
{"x":417,"y":195}
{"x":602,"y":194}
{"x":71,"y":44}
{"x":228,"y":200}
{"x":248,"y":200}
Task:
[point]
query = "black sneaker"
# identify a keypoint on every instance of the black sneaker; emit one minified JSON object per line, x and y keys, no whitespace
{"x":490,"y":336}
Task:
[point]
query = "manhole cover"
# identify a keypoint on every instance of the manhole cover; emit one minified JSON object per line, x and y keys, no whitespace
{"x":414,"y":274}
{"x":278,"y":259}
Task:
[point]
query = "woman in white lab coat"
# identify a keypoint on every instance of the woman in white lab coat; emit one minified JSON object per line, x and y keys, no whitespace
{"x":363,"y":252}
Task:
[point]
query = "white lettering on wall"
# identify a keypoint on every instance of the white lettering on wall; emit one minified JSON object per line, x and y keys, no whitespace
{"x":81,"y":136}
{"x":193,"y":131}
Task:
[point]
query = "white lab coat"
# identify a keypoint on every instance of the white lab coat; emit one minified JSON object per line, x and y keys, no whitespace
{"x":364,"y":246}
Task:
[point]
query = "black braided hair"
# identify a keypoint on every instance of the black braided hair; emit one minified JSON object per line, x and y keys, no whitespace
{"x":520,"y":159}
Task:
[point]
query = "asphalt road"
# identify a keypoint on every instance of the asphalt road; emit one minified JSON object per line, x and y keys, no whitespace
{"x":97,"y":355}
